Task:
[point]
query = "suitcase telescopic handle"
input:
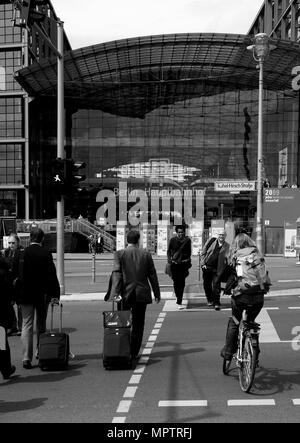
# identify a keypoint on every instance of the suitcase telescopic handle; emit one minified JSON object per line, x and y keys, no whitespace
{"x":60,"y":315}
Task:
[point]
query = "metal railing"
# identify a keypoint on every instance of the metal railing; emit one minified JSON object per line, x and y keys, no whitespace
{"x":86,"y":228}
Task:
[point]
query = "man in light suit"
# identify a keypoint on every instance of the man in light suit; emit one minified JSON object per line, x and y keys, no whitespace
{"x":213,"y":261}
{"x":39,"y":287}
{"x":134,"y":269}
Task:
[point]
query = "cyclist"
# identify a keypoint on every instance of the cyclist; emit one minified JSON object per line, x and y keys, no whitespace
{"x":243,"y":296}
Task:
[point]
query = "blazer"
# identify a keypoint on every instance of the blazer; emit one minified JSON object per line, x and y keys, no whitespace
{"x":39,"y":281}
{"x":133,"y":270}
{"x":222,"y":258}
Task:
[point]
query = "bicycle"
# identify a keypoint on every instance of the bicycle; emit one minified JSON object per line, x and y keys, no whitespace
{"x":246,"y":357}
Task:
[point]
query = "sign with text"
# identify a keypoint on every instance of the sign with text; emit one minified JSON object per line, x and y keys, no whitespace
{"x":235,"y":186}
{"x":280,"y":203}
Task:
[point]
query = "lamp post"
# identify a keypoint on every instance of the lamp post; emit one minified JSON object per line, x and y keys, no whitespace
{"x":260,"y":50}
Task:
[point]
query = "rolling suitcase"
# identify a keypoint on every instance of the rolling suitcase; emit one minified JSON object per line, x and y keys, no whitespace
{"x":116,"y":341}
{"x":54,"y":347}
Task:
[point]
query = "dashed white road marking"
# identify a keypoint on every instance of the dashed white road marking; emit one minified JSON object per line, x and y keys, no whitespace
{"x":130,"y":392}
{"x":256,"y":402}
{"x":119,"y":420}
{"x":296,"y":401}
{"x":124,"y":406}
{"x":135,"y":379}
{"x":181,"y":403}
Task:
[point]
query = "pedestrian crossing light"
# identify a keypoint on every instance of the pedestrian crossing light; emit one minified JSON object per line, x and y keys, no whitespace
{"x":74,"y":175}
{"x":58,"y":177}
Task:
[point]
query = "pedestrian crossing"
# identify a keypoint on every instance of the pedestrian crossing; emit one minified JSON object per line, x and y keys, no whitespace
{"x":268,"y":332}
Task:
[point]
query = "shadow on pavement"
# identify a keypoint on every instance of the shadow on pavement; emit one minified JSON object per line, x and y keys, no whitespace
{"x":15,"y":406}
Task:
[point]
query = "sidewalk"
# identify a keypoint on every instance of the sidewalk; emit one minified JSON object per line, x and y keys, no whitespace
{"x":167,"y":295}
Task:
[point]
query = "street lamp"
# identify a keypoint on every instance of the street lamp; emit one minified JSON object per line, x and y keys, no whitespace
{"x":260,"y":50}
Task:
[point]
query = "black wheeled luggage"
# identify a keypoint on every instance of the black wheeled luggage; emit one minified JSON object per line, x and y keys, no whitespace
{"x":116,"y":341}
{"x":54,"y":347}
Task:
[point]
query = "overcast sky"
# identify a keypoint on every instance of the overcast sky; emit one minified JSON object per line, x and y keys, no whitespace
{"x":96,"y":21}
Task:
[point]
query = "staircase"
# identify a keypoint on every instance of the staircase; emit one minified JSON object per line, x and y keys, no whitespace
{"x":86,"y":228}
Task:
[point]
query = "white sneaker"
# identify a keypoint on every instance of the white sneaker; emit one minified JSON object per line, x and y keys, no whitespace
{"x":180,"y":307}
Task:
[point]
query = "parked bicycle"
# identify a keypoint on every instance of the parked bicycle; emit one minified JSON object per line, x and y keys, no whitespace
{"x":246,"y":357}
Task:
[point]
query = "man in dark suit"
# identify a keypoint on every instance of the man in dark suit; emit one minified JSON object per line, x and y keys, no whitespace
{"x":213,"y":261}
{"x":39,"y":287}
{"x":134,"y":269}
{"x":13,"y":255}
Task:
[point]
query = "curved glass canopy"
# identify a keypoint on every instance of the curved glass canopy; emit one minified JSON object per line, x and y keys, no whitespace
{"x":132,"y":77}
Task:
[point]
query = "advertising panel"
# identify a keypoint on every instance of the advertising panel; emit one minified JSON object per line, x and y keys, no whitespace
{"x":162,"y":238}
{"x":280,"y":203}
{"x":121,"y":231}
{"x":290,"y":239}
{"x":216,"y":227}
{"x":195,"y":232}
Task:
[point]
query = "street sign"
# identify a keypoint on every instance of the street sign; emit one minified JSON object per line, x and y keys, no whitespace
{"x":235,"y":186}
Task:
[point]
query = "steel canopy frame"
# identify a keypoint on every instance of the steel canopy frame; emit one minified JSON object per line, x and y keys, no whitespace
{"x":131,"y":77}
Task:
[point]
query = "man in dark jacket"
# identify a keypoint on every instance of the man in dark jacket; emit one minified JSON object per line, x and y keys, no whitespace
{"x":133,"y":270}
{"x":213,"y":261}
{"x":179,"y":256}
{"x":39,"y":287}
{"x":13,"y":256}
{"x":6,"y":368}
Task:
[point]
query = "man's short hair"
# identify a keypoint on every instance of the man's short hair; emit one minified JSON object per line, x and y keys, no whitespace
{"x":133,"y":237}
{"x":36,"y":235}
{"x":183,"y":227}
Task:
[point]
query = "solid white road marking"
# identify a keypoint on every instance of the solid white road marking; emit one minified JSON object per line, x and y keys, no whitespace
{"x":257,"y":402}
{"x":286,"y":281}
{"x":181,"y":403}
{"x":268,"y":333}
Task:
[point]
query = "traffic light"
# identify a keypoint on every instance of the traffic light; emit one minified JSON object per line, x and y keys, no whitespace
{"x":30,"y":11}
{"x":73,"y":175}
{"x":58,"y":177}
{"x":24,"y":12}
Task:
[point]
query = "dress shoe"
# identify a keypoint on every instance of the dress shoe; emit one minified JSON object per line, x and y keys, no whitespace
{"x":11,"y":372}
{"x":27,"y":364}
{"x":217,"y":307}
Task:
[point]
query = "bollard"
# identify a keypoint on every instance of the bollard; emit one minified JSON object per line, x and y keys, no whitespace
{"x":94,"y":266}
{"x":199,"y":266}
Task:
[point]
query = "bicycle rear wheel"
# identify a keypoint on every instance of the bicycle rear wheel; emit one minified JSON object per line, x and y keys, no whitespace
{"x":226,"y":366}
{"x":248,"y":365}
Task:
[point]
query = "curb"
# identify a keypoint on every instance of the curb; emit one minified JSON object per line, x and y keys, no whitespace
{"x":168,"y":295}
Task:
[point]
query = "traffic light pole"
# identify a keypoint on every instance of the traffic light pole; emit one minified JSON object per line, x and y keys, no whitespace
{"x":60,"y":153}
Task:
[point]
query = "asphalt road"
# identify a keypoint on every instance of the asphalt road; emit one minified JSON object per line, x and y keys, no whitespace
{"x":179,"y":377}
{"x":180,"y":363}
{"x":80,"y":277}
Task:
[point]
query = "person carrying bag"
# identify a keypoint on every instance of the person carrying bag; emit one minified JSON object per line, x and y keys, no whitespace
{"x":179,"y":259}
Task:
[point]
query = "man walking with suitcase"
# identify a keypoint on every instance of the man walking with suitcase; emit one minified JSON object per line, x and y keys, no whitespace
{"x":134,"y":269}
{"x":39,"y":287}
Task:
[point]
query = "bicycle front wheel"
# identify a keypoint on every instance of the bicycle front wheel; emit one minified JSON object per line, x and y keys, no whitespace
{"x":248,"y":365}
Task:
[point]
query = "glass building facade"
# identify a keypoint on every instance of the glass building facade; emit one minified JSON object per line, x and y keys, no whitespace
{"x":160,"y":113}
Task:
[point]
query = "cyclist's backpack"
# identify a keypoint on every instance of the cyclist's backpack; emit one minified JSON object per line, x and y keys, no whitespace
{"x":252,"y":274}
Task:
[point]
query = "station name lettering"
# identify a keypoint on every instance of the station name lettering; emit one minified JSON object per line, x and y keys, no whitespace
{"x":296,"y":79}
